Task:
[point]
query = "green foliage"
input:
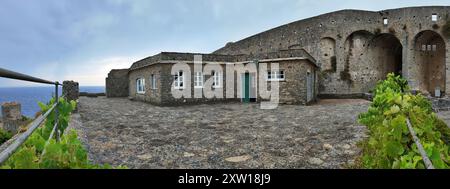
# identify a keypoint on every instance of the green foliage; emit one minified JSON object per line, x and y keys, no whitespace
{"x":41,"y":152}
{"x":4,"y":136}
{"x":390,"y":144}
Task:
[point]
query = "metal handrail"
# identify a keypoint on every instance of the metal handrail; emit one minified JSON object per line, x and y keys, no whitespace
{"x":422,"y":152}
{"x":5,"y":154}
{"x":15,"y":75}
{"x":22,"y":138}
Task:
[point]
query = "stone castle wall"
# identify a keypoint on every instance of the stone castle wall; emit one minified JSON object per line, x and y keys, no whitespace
{"x":348,"y":46}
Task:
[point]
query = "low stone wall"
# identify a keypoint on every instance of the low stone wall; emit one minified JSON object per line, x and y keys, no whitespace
{"x":71,"y":90}
{"x":11,"y":116}
{"x":366,"y":96}
{"x":92,"y":94}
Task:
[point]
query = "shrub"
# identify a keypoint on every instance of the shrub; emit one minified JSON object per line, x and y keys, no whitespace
{"x":41,"y":152}
{"x":4,"y":136}
{"x":389,"y":144}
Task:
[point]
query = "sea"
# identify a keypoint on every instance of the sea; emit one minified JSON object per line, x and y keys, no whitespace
{"x":29,"y":97}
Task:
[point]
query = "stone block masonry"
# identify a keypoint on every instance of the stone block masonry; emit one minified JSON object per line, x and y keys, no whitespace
{"x":117,"y":83}
{"x":71,"y":90}
{"x":12,"y":116}
{"x":355,"y":48}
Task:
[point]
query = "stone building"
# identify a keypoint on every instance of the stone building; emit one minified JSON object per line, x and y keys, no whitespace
{"x":353,"y":50}
{"x":153,"y":79}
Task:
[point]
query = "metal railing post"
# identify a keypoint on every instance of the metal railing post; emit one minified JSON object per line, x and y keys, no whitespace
{"x":6,"y":153}
{"x":56,"y":112}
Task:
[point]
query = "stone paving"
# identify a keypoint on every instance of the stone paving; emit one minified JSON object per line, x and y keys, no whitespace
{"x":123,"y":132}
{"x":445,"y":116}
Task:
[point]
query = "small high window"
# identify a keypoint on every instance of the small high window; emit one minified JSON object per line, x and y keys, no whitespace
{"x":140,"y":85}
{"x":179,"y":80}
{"x":275,"y":75}
{"x":217,"y":79}
{"x":385,"y":21}
{"x":434,"y":17}
{"x":198,"y":80}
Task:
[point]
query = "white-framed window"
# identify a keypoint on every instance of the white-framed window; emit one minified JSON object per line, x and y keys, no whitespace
{"x":153,"y":81}
{"x":434,"y":17}
{"x":179,"y":80}
{"x":385,"y":21}
{"x":217,"y":79}
{"x":198,"y":80}
{"x":140,"y":85}
{"x":275,"y":75}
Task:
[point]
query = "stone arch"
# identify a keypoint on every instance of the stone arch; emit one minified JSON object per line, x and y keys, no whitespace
{"x":327,"y":57}
{"x":369,"y":58}
{"x":429,"y":57}
{"x":387,"y":52}
{"x":354,"y":45}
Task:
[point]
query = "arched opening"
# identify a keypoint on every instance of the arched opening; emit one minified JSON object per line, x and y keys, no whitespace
{"x":429,"y":55}
{"x":370,"y":57}
{"x":327,"y":57}
{"x":387,"y":52}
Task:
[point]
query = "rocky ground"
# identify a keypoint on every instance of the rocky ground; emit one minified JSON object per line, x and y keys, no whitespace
{"x":445,"y":116}
{"x":122,"y":132}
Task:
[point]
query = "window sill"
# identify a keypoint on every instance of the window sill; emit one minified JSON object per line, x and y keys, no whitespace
{"x":141,"y":93}
{"x":276,"y":80}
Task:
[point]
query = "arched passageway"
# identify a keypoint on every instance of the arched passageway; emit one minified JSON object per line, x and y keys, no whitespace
{"x":370,"y":57}
{"x":429,"y":56}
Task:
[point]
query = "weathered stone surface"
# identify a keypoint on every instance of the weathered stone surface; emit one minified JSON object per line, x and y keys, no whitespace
{"x":117,"y":83}
{"x":119,"y":131}
{"x":316,"y":161}
{"x":11,"y":116}
{"x":71,"y":90}
{"x":293,"y":89}
{"x":237,"y":159}
{"x":356,"y":48}
{"x":327,"y":146}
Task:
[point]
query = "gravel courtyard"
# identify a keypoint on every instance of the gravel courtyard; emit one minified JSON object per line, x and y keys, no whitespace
{"x":123,"y":132}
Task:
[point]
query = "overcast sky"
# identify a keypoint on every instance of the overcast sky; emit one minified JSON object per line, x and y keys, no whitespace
{"x":82,"y":40}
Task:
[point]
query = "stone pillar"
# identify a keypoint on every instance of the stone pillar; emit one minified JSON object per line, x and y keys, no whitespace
{"x":12,"y":116}
{"x":71,"y":90}
{"x":447,"y":67}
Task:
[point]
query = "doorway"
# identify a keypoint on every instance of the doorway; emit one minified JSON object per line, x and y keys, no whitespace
{"x":310,"y":86}
{"x":248,"y":88}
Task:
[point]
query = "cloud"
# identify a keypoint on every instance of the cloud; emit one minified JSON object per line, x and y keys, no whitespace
{"x":94,"y":72}
{"x":82,"y":40}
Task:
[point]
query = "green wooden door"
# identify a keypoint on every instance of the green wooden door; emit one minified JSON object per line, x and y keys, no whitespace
{"x":246,"y":88}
